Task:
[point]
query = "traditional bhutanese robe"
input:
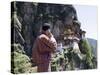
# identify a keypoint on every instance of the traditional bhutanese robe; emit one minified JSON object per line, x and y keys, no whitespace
{"x":42,"y":50}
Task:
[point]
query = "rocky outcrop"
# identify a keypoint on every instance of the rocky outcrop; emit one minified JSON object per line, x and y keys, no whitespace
{"x":31,"y":16}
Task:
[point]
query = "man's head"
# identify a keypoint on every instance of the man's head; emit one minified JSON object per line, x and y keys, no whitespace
{"x":46,"y":28}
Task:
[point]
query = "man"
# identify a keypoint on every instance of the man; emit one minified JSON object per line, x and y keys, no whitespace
{"x":45,"y":45}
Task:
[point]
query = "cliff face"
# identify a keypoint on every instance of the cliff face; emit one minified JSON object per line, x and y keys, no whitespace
{"x":31,"y":16}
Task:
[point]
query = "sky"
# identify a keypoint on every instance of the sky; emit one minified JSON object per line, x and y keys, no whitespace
{"x":88,"y":16}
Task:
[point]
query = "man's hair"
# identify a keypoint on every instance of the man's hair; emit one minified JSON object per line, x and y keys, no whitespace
{"x":46,"y":26}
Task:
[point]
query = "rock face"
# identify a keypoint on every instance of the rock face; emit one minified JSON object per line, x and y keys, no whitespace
{"x":31,"y":16}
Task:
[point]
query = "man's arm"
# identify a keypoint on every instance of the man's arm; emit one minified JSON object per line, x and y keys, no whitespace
{"x":49,"y":42}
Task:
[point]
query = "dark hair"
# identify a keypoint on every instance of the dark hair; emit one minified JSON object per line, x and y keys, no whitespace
{"x":46,"y":26}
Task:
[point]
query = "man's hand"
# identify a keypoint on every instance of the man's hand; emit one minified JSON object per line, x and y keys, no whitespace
{"x":49,"y":35}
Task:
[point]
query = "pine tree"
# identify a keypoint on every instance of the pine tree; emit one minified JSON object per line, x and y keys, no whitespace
{"x":88,"y":52}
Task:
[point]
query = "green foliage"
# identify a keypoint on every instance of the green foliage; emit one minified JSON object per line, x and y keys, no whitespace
{"x":85,"y":44}
{"x":20,"y":62}
{"x":72,"y":60}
